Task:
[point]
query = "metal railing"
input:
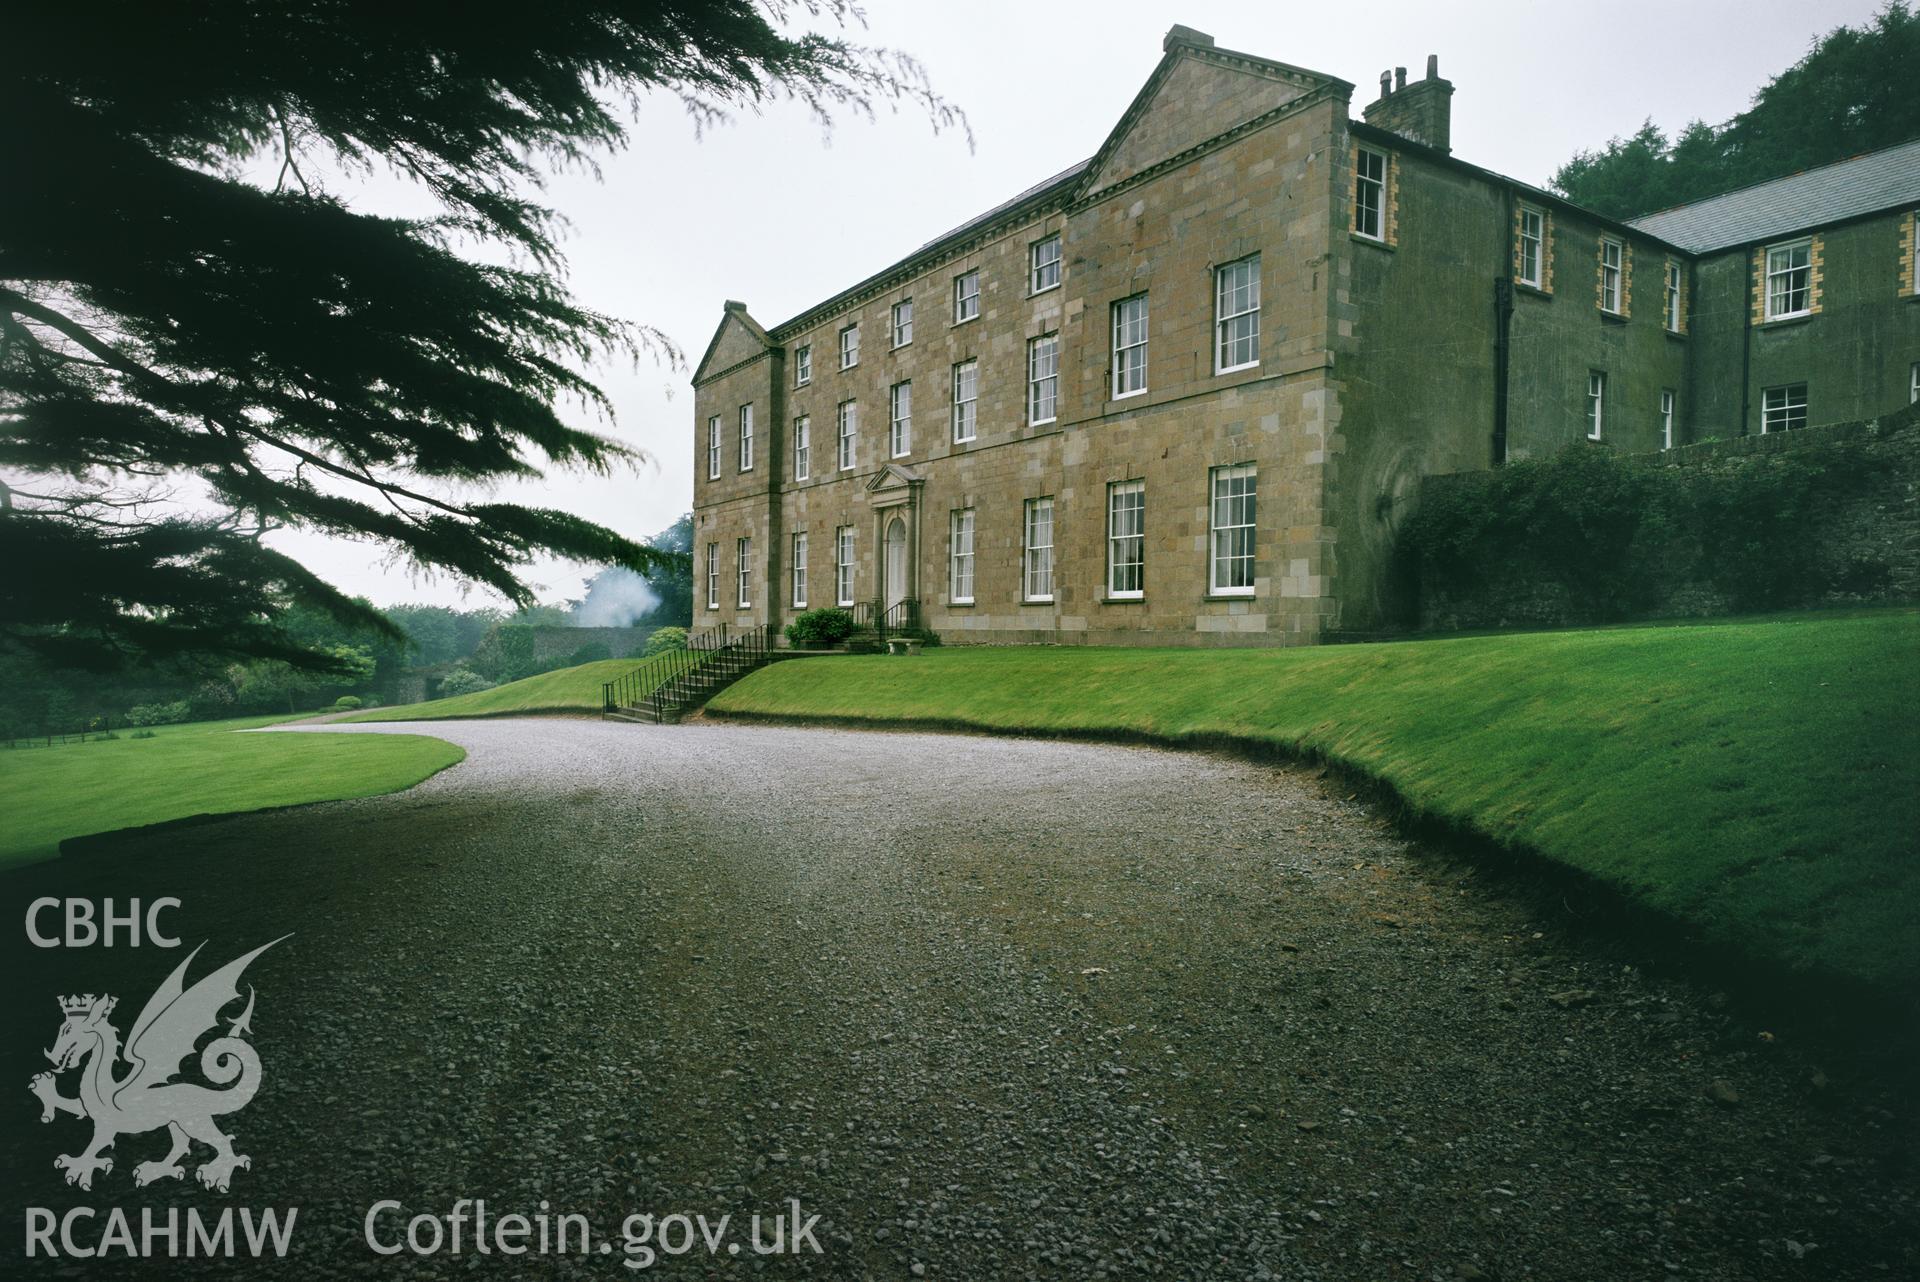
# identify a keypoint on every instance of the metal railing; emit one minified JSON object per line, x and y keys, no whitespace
{"x":885,"y":620}
{"x":902,"y":616}
{"x":743,"y":652}
{"x":671,"y":682}
{"x":631,"y":689}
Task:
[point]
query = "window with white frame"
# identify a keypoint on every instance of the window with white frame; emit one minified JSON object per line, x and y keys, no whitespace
{"x":843,"y":565}
{"x":1666,"y":418}
{"x":743,"y":552}
{"x":1126,"y":539}
{"x":900,"y":420}
{"x":746,"y":438}
{"x":1043,"y":378}
{"x":713,"y":448}
{"x":1789,"y":280}
{"x":850,"y":346}
{"x":1037,"y":580}
{"x":1370,"y":193}
{"x":1236,"y":295}
{"x":966,"y":396}
{"x":1231,"y":517}
{"x":1596,"y":403}
{"x":1043,"y":261}
{"x":966,"y":296}
{"x":903,"y":322}
{"x":960,"y":557}
{"x":849,"y":415}
{"x":1673,"y":298}
{"x":803,"y":365}
{"x":1612,"y":259}
{"x":1782,"y":409}
{"x":713,"y":576}
{"x":1533,"y":246}
{"x":802,"y":448}
{"x":1130,"y":346}
{"x":800,"y":571}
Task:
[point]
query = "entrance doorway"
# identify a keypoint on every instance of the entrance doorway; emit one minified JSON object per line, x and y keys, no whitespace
{"x":896,"y":562}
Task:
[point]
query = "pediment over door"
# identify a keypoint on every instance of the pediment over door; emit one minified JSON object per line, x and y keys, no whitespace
{"x":894,"y":483}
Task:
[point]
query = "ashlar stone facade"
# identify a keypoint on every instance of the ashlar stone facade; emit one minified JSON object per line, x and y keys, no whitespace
{"x":1182,"y":392}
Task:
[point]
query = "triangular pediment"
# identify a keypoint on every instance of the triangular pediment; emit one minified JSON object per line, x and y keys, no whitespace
{"x":738,"y":339}
{"x":893,"y":476}
{"x":1196,"y":94}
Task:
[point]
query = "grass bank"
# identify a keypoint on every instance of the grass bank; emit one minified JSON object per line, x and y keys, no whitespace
{"x":565,"y":690}
{"x":1758,"y":780}
{"x":50,"y":794}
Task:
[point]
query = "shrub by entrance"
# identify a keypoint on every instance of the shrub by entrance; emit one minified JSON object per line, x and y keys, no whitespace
{"x":822,"y":627}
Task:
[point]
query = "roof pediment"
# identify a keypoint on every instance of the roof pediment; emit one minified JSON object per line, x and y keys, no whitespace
{"x":738,"y":339}
{"x":1196,"y":94}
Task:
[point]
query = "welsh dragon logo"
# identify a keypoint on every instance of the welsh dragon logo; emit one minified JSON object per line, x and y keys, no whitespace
{"x":146,"y":1097}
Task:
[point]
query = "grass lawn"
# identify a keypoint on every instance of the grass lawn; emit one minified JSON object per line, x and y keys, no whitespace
{"x":49,"y":794}
{"x":1759,"y":779}
{"x":567,"y":690}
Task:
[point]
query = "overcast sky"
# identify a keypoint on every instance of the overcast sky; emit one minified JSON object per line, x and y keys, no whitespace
{"x":775,"y":212}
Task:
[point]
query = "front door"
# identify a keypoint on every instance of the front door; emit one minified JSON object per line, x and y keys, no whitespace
{"x":896,"y":562}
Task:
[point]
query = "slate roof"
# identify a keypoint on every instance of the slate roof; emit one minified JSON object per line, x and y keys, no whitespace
{"x":1038,"y":189}
{"x":1033,"y":194}
{"x":1885,"y":179}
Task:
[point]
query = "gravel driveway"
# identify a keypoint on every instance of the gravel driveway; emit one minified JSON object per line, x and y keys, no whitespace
{"x":988,"y":1008}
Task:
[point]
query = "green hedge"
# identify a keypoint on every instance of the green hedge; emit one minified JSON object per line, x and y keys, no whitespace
{"x":1598,"y":537}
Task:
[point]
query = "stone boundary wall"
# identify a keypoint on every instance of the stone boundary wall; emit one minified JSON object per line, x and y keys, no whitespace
{"x":551,"y":643}
{"x":1877,"y":529}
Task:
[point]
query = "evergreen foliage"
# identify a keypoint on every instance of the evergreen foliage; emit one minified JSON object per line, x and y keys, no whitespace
{"x":191,"y":359}
{"x":1852,"y":93}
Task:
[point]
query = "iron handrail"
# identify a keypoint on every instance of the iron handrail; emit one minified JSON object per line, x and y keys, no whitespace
{"x":747,"y":650}
{"x":902,"y":616}
{"x":630,"y":689}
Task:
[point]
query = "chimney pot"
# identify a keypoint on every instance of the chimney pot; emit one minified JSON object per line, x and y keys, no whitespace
{"x":1420,"y":111}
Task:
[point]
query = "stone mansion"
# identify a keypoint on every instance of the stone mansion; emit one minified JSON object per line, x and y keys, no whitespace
{"x":1183,"y":392}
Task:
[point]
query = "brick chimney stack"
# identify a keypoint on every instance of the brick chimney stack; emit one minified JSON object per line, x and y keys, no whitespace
{"x":1422,"y":111}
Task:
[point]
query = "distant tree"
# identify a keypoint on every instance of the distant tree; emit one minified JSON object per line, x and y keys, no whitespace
{"x":268,"y":683}
{"x":542,"y":616}
{"x":462,"y":680}
{"x":505,"y":654}
{"x":175,"y":334}
{"x":1855,"y":91}
{"x":672,"y":577}
{"x":440,"y":634}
